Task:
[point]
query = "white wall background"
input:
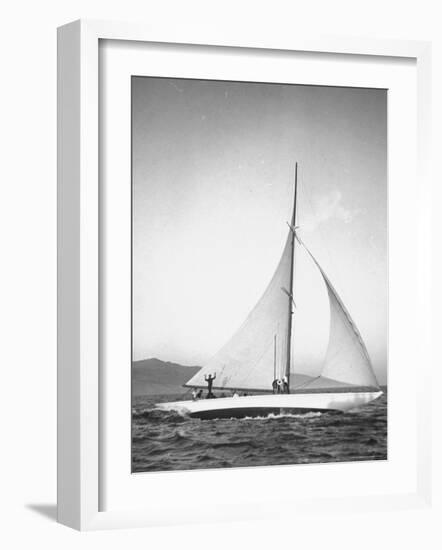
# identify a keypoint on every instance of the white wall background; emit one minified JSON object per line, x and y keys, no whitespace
{"x":28,"y":276}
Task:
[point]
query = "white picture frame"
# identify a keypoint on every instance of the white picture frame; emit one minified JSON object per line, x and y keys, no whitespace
{"x":79,"y":367}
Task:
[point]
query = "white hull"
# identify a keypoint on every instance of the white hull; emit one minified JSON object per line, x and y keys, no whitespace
{"x":263,"y":405}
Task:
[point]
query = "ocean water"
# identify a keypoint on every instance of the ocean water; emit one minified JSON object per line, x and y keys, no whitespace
{"x":163,"y":441}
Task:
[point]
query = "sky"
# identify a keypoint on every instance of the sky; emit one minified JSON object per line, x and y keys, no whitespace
{"x":213,"y":175}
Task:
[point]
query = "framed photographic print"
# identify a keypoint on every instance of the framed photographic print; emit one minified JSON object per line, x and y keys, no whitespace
{"x":232,"y":273}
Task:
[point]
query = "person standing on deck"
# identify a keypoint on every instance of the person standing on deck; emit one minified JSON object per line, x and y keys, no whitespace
{"x":285,"y":382}
{"x":209,"y":379}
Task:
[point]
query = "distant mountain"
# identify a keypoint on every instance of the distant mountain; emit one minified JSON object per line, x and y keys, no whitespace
{"x":156,"y":377}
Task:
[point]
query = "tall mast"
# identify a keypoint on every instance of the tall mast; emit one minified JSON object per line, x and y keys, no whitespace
{"x":292,"y":267}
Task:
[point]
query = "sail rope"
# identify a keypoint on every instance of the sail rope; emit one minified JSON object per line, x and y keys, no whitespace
{"x":320,"y":230}
{"x":238,"y":368}
{"x":186,"y":393}
{"x":351,"y":324}
{"x":332,"y":263}
{"x":306,"y":383}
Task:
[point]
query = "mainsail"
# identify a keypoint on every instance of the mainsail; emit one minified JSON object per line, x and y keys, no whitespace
{"x":260,"y":350}
{"x":247,"y":361}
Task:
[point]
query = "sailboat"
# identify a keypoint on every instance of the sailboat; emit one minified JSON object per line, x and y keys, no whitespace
{"x":259,"y":358}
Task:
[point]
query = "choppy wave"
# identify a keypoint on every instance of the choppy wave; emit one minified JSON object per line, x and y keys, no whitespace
{"x":169,"y":440}
{"x":273,"y":416}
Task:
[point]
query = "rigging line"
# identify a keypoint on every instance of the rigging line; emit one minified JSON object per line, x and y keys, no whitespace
{"x":307,"y":383}
{"x":274,"y":357}
{"x":282,"y":361}
{"x":292,"y":287}
{"x":188,"y":391}
{"x":319,"y":229}
{"x":263,"y":353}
{"x":294,"y":322}
{"x":266,"y":349}
{"x":331,"y":262}
{"x":350,"y":323}
{"x":293,"y":230}
{"x":322,"y":240}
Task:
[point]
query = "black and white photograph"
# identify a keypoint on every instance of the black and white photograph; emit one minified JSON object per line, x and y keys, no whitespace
{"x":220,"y":275}
{"x":220,"y":279}
{"x":259,"y":274}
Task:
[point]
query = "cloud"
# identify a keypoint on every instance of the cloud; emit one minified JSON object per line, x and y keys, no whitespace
{"x":329,"y":207}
